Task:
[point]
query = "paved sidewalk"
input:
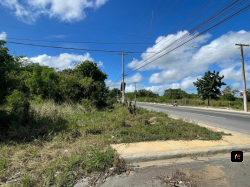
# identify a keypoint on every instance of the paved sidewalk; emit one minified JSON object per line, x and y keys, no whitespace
{"x":146,"y":151}
{"x":203,"y":108}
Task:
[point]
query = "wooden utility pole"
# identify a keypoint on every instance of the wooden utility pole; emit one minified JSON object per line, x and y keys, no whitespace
{"x":243,"y":76}
{"x":123,"y":89}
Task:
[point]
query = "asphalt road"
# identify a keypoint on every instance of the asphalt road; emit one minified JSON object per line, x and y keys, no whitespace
{"x":217,"y":170}
{"x":235,"y":121}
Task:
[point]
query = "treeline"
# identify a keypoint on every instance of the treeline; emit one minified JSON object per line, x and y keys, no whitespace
{"x":227,"y":94}
{"x":24,"y":80}
{"x":23,"y":83}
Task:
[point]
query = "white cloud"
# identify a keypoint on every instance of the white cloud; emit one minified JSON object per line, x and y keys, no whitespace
{"x":65,"y":10}
{"x":99,"y":3}
{"x":3,"y":36}
{"x":135,"y":78}
{"x":188,"y":61}
{"x":100,"y":64}
{"x":230,"y":74}
{"x":62,"y":61}
{"x":187,"y":83}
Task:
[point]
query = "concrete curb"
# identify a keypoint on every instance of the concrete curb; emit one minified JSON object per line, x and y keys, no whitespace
{"x":185,"y":153}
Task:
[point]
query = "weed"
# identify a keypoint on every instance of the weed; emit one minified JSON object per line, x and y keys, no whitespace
{"x":4,"y":163}
{"x":26,"y":181}
{"x":57,"y":150}
{"x":98,"y":160}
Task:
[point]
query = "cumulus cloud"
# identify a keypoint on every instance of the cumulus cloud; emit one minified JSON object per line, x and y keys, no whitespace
{"x":231,"y":74}
{"x":188,"y":61}
{"x":73,"y":10}
{"x":135,"y":78}
{"x":3,"y":36}
{"x":187,"y":83}
{"x":62,"y":61}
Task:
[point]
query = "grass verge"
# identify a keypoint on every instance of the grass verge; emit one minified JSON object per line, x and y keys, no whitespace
{"x":64,"y":143}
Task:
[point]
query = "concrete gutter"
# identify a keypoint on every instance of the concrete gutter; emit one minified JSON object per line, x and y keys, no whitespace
{"x":186,"y":153}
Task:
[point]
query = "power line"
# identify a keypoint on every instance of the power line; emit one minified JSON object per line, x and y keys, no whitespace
{"x":75,"y":42}
{"x":158,"y":21}
{"x":215,"y":25}
{"x":79,"y":26}
{"x":99,"y":50}
{"x":112,"y":66}
{"x":47,"y":32}
{"x":195,"y":29}
{"x":226,"y":19}
{"x":184,"y":22}
{"x":180,"y":24}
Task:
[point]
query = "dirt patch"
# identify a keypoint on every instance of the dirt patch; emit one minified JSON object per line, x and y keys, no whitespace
{"x":208,"y":177}
{"x":152,"y":119}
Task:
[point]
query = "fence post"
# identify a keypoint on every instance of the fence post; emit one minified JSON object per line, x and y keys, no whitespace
{"x":229,"y":104}
{"x":185,"y":102}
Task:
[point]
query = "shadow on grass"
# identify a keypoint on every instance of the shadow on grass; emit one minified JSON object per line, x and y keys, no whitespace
{"x":13,"y":129}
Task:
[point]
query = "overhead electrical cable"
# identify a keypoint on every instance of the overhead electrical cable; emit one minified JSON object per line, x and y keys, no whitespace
{"x":185,"y":20}
{"x":215,"y":25}
{"x":108,"y":43}
{"x":99,"y":50}
{"x":79,"y":26}
{"x":130,"y":33}
{"x":200,"y":25}
{"x":49,"y":32}
{"x":183,"y":28}
{"x":161,"y":18}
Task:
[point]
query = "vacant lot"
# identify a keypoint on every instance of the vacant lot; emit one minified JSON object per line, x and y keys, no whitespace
{"x":63,"y":143}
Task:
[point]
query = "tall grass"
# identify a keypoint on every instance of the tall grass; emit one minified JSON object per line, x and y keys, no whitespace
{"x":62,"y":143}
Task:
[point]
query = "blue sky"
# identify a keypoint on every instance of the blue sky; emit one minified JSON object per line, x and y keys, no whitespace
{"x":50,"y":19}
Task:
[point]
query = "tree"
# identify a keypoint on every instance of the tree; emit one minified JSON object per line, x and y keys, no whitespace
{"x":208,"y":86}
{"x":44,"y":81}
{"x":146,"y":93}
{"x":229,"y":94}
{"x":89,"y":69}
{"x":85,"y":81}
{"x":175,"y":93}
{"x":6,"y":64}
{"x":248,"y":94}
{"x":113,"y":93}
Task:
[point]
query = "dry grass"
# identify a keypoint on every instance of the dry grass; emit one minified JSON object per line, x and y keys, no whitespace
{"x":63,"y":143}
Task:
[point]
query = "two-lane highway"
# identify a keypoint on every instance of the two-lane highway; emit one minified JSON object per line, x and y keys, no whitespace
{"x":236,"y":121}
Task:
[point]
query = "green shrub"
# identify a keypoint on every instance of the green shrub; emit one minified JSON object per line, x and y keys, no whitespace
{"x":99,"y":160}
{"x":87,"y":104}
{"x":111,"y":101}
{"x":20,"y":105}
{"x":37,"y":99}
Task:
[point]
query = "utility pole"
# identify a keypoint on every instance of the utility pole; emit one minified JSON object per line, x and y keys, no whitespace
{"x":123,"y":89}
{"x":117,"y":94}
{"x":135,"y":93}
{"x":243,"y":76}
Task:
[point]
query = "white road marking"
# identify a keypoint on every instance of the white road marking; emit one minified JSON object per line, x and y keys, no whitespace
{"x":205,"y":115}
